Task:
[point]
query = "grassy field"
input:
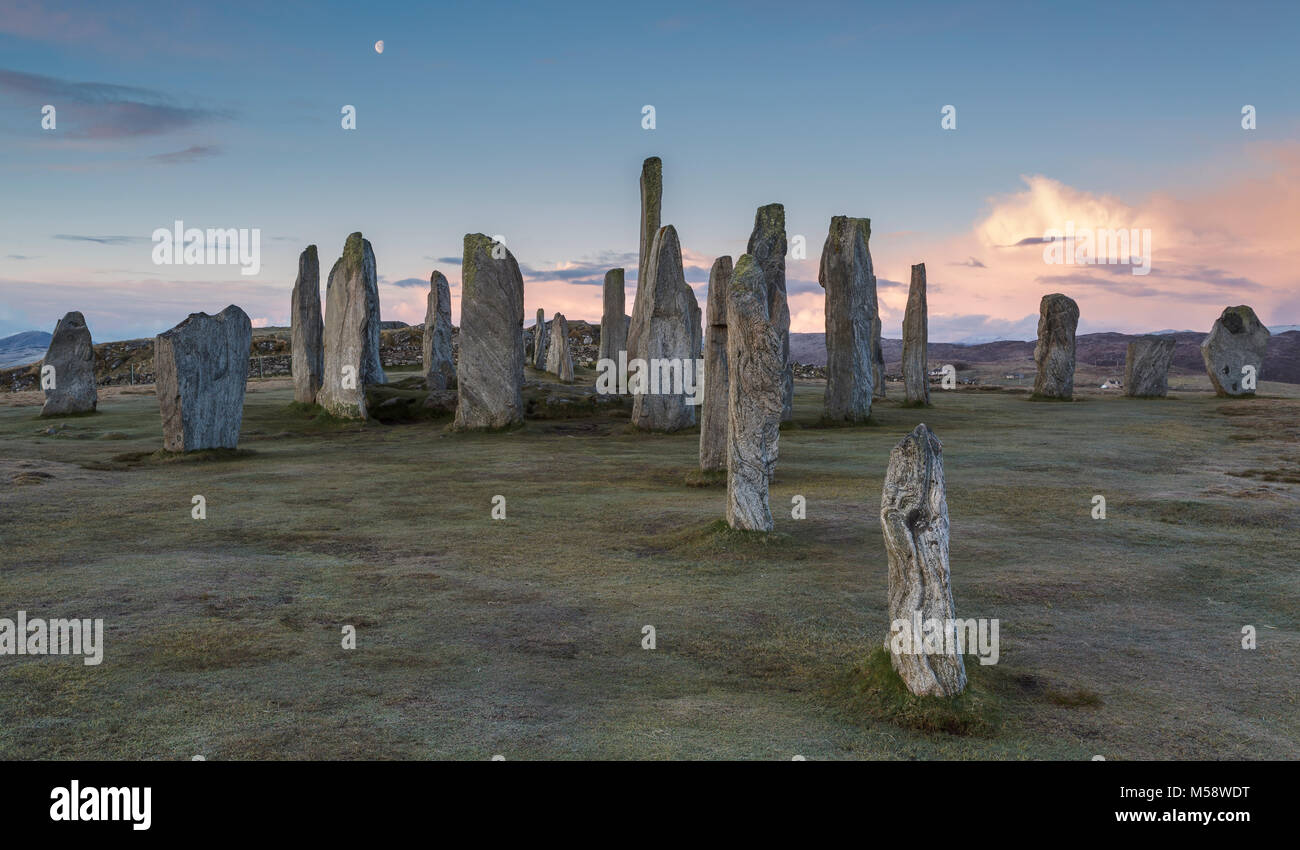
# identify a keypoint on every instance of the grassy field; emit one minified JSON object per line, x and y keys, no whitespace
{"x":1119,"y":637}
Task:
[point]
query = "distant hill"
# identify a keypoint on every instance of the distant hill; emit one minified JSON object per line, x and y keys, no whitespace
{"x":22,"y":348}
{"x":1105,"y":349}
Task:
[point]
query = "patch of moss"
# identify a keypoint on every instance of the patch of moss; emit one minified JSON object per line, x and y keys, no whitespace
{"x":872,"y":689}
{"x":1079,"y":698}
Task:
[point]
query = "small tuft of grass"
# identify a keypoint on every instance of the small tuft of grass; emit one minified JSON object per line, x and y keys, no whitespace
{"x":874,"y":690}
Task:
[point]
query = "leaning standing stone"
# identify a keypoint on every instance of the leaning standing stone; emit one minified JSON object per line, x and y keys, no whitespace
{"x":713,"y":413}
{"x":308,"y":330}
{"x":491,"y":366}
{"x":1146,"y":366}
{"x":539,"y":341}
{"x":755,"y":364}
{"x":613,"y":330}
{"x":559,"y":359}
{"x":767,"y":246}
{"x":1058,"y":318}
{"x":1238,"y":340}
{"x":72,"y":357}
{"x":914,"y":519}
{"x":915,"y":339}
{"x":664,"y":335}
{"x":439,"y":366}
{"x":845,"y":274}
{"x":201,"y":366}
{"x":351,"y":332}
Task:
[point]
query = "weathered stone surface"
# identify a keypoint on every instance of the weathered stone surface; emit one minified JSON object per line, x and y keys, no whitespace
{"x":652,"y":191}
{"x":351,"y":332}
{"x":665,"y":332}
{"x":877,"y":350}
{"x":1237,"y":340}
{"x":714,"y":411}
{"x":559,"y":360}
{"x":201,"y":366}
{"x":439,"y":366}
{"x":1058,"y":318}
{"x":491,"y":366}
{"x":767,"y":245}
{"x":72,"y":356}
{"x":914,"y":519}
{"x":307,"y":331}
{"x":613,"y":331}
{"x":916,"y":338}
{"x":1146,"y":366}
{"x":845,"y":274}
{"x":755,"y":362}
{"x":540,"y":338}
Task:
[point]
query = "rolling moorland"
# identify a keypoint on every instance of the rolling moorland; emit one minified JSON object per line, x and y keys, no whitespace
{"x":522,"y":636}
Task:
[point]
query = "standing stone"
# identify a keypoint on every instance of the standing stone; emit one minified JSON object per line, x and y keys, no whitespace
{"x":308,"y":330}
{"x":201,"y":366}
{"x":714,"y":411}
{"x":490,"y":371}
{"x":559,"y":360}
{"x":845,"y":274}
{"x":877,"y":350}
{"x":755,"y":366}
{"x":914,"y":519}
{"x":539,"y":341}
{"x":1058,"y":318}
{"x":1146,"y":366}
{"x":1237,"y":340}
{"x":351,"y":332}
{"x":652,"y":192}
{"x":665,"y":336}
{"x":613,"y":333}
{"x":767,"y":246}
{"x":72,"y":356}
{"x":439,"y":365}
{"x":916,"y":336}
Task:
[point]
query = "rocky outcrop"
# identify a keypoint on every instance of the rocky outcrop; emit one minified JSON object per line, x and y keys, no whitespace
{"x":1234,"y":351}
{"x":307,"y":329}
{"x":439,"y":365}
{"x":845,"y":273}
{"x":916,"y":340}
{"x":68,"y":370}
{"x":1146,"y":366}
{"x":665,"y":336}
{"x":914,"y":520}
{"x":767,"y":245}
{"x":613,"y":329}
{"x":202,"y":366}
{"x":1058,"y":318}
{"x":351,"y":332}
{"x":559,"y":361}
{"x":714,"y":411}
{"x":490,"y":371}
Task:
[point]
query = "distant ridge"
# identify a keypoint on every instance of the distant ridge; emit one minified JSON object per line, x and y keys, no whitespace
{"x":22,"y":348}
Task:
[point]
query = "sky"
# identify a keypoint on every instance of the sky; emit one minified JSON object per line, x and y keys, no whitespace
{"x":526,"y":120}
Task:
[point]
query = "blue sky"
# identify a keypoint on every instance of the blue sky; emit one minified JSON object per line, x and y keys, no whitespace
{"x":525,"y":120}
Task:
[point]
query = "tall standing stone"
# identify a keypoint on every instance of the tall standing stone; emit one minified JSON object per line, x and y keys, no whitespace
{"x":351,"y":332}
{"x":665,"y":336}
{"x":714,"y":412}
{"x":539,"y":341}
{"x":201,"y":367}
{"x":70,"y":364}
{"x":1146,"y":366}
{"x":916,"y":337}
{"x":490,"y":370}
{"x":767,"y":245}
{"x":559,"y":359}
{"x":1234,"y":351}
{"x":307,"y":331}
{"x":877,"y":349}
{"x":613,"y":331}
{"x":845,"y":274}
{"x":1058,"y":318}
{"x":914,"y":519}
{"x":652,"y":192}
{"x":439,"y":365}
{"x":755,"y":362}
